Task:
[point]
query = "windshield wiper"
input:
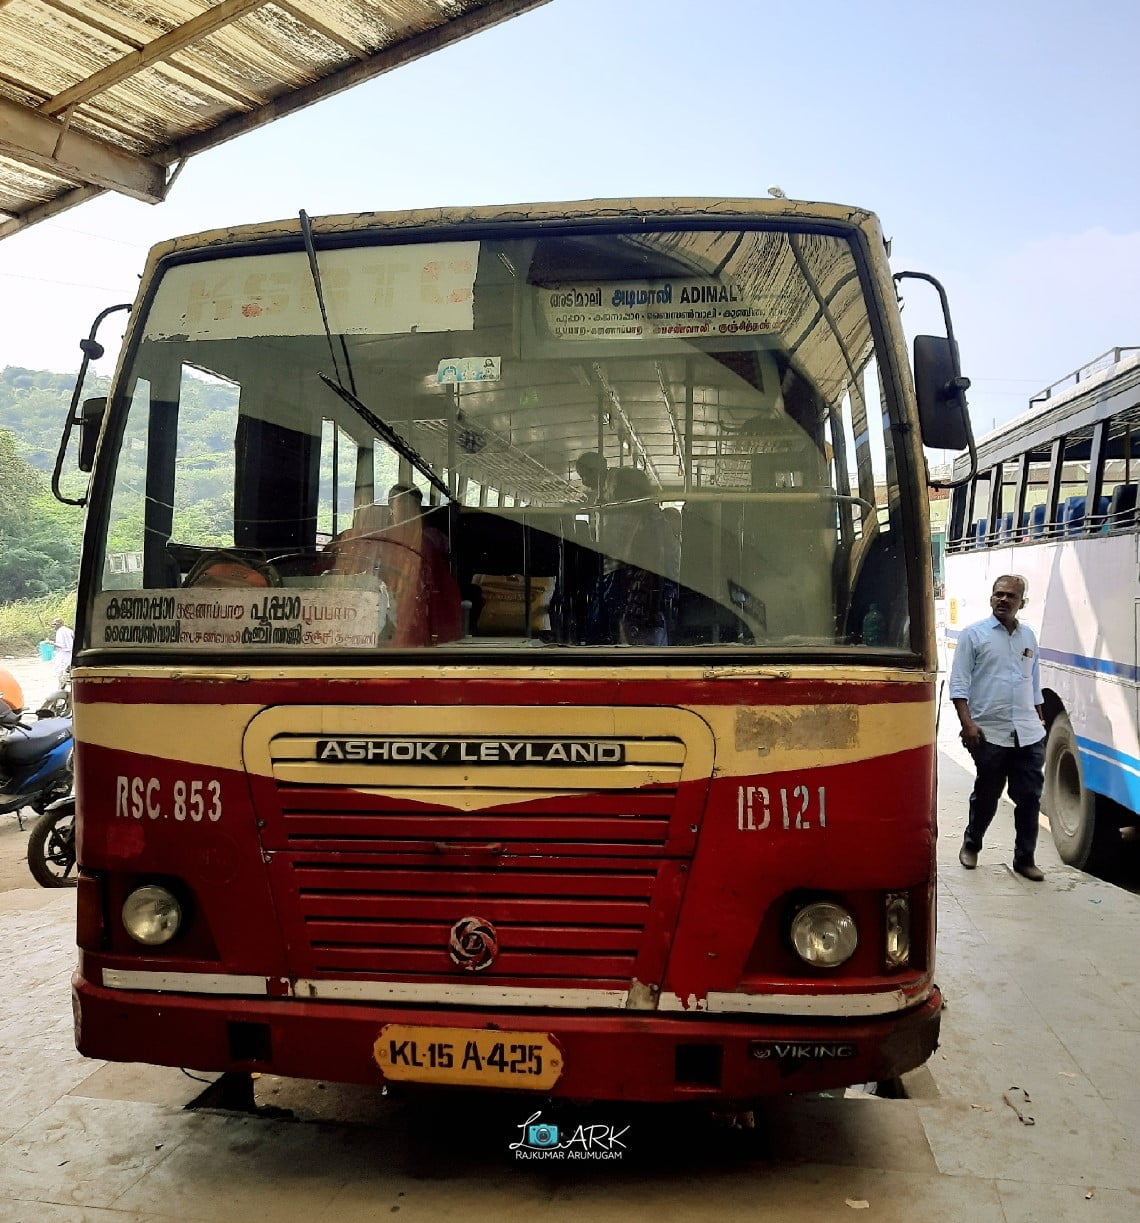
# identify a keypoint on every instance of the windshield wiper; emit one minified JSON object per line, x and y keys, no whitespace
{"x":385,"y":431}
{"x":382,"y":430}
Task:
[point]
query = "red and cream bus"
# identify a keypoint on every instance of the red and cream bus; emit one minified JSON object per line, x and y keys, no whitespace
{"x":506,"y":654}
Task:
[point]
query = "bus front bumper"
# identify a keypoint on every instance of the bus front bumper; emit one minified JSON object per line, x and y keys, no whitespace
{"x":604,"y":1055}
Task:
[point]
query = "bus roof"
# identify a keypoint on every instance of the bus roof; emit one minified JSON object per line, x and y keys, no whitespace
{"x":709,"y":208}
{"x":1097,"y":394}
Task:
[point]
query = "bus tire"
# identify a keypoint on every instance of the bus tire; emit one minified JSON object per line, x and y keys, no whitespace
{"x":1070,"y":806}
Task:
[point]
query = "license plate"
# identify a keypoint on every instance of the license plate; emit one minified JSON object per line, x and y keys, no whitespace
{"x":468,"y":1056}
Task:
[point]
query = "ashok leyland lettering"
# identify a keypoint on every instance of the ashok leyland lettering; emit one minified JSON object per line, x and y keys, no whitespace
{"x":506,"y":654}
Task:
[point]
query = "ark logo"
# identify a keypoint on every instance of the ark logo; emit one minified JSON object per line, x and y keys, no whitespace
{"x":543,"y":1140}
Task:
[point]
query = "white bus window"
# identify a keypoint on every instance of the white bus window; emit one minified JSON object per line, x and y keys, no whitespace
{"x":1036,"y":505}
{"x":979,"y":527}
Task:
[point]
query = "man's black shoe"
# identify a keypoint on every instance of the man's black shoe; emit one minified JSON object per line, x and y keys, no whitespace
{"x":1030,"y":872}
{"x":968,"y":858}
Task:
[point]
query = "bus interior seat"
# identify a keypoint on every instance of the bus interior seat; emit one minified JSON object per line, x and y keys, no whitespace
{"x":1007,"y":526}
{"x":1037,"y":520}
{"x":1122,"y":507}
{"x":980,"y":533}
{"x":1074,"y":517}
{"x":1100,"y":518}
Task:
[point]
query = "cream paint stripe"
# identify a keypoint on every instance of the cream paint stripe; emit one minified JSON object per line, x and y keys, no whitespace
{"x":184,"y":982}
{"x":206,"y":735}
{"x":458,"y":995}
{"x":834,"y":1005}
{"x":779,"y":739}
{"x":211,"y":736}
{"x":366,"y":991}
{"x":717,"y":1003}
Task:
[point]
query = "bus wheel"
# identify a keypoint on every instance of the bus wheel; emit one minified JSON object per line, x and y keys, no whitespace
{"x":1072,"y":809}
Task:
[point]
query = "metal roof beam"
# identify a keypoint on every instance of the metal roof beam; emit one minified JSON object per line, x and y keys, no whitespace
{"x":56,"y":148}
{"x":493,"y":13}
{"x":50,"y":208}
{"x":162,"y":48}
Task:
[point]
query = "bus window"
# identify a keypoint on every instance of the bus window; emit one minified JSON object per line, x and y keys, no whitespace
{"x":1071,"y":509}
{"x":1037,"y":494}
{"x":1122,"y":470}
{"x":982,"y":526}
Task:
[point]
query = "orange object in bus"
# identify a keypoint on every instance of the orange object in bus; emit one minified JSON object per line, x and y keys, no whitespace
{"x":10,"y":690}
{"x":225,"y":569}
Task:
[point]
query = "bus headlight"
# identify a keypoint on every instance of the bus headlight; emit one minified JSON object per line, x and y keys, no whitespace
{"x":897,"y":929}
{"x":151,"y":915}
{"x":823,"y":934}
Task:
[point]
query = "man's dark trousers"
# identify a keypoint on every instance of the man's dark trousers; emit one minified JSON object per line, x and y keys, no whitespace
{"x":1020,"y":767}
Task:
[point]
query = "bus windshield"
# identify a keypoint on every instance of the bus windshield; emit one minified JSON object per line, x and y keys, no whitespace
{"x":559,"y":437}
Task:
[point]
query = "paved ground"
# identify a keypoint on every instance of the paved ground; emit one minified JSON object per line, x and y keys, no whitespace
{"x":1042,"y":1023}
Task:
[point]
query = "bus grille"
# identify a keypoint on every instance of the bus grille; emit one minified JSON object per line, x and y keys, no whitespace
{"x":558,"y":922}
{"x":579,"y":868}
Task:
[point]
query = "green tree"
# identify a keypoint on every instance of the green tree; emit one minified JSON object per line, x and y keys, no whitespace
{"x":39,"y":539}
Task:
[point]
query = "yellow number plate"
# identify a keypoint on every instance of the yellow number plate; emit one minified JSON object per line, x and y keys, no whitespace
{"x":470,"y":1056}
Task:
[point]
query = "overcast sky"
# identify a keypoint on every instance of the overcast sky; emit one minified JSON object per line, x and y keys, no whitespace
{"x":997,"y":141}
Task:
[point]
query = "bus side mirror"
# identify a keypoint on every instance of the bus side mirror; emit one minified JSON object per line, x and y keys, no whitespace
{"x":90,"y":422}
{"x":941,"y":392}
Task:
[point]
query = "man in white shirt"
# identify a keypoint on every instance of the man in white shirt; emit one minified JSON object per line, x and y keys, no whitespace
{"x":64,"y":644}
{"x":995,"y":685}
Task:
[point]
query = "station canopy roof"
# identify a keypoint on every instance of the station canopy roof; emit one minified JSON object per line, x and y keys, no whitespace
{"x":114,"y":95}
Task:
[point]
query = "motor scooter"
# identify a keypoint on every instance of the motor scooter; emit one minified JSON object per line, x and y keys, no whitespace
{"x":35,"y":762}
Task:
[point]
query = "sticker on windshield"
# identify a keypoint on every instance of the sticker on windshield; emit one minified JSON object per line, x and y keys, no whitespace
{"x":629,"y":310}
{"x":468,"y":369}
{"x":237,"y":621}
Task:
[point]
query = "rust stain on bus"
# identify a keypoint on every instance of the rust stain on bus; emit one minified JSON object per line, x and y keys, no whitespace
{"x":804,"y":726}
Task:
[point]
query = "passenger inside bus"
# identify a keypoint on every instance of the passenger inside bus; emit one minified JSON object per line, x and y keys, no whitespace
{"x":630,"y":604}
{"x":394,"y":543}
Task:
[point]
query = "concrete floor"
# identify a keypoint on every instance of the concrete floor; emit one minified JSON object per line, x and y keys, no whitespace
{"x":1043,"y":1001}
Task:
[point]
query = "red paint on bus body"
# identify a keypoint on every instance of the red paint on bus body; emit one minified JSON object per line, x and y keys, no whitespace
{"x":687,"y":892}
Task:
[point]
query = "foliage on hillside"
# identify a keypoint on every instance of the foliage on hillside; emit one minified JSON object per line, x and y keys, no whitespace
{"x":39,"y":538}
{"x":33,"y":406}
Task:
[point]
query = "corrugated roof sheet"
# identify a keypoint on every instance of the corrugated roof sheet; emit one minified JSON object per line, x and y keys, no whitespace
{"x":100,"y":95}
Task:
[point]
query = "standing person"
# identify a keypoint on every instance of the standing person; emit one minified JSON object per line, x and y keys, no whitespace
{"x":637,"y":542}
{"x":995,"y":685}
{"x":64,"y":643}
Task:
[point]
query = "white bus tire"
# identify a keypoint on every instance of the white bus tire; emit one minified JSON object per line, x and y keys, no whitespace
{"x":1071,"y":807}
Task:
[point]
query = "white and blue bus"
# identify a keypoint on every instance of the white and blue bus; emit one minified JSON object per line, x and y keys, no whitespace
{"x":1054,"y":499}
